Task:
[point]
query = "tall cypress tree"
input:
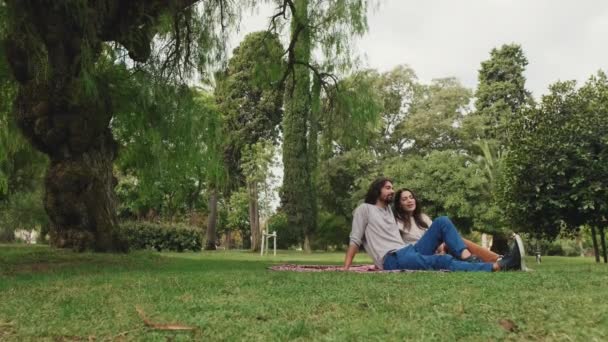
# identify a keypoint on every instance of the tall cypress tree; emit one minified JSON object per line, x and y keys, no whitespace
{"x":315,"y":26}
{"x":501,"y":94}
{"x":296,"y":192}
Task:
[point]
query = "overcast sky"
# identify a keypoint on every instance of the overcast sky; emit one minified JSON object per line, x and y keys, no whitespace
{"x":563,"y":39}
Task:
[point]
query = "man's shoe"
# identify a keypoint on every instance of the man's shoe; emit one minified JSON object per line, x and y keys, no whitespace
{"x":511,"y":261}
{"x":472,"y":259}
{"x":522,"y":252}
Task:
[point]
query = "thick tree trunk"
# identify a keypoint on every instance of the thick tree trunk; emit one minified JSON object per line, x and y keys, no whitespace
{"x":80,"y":202}
{"x":603,"y":241}
{"x":254,"y":217}
{"x":313,"y":163}
{"x":212,"y":222}
{"x":596,"y":249}
{"x":228,"y":240}
{"x":306,"y":246}
{"x":73,"y":130}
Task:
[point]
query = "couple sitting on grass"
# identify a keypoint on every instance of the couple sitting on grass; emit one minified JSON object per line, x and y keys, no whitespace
{"x":408,"y":240}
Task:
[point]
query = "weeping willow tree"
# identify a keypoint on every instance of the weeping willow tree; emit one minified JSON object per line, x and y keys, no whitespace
{"x":64,"y":102}
{"x":21,"y":167}
{"x":170,"y":147}
{"x":327,"y":27}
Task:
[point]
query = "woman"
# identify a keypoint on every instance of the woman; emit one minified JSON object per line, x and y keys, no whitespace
{"x":413,"y":224}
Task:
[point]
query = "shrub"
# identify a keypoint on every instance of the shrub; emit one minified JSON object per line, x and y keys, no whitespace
{"x":287,"y":236}
{"x":161,"y":237}
{"x":557,"y":247}
{"x":7,"y":233}
{"x":25,"y":211}
{"x":332,"y":232}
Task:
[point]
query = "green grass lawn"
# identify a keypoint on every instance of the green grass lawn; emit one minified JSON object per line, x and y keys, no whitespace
{"x":59,"y":295}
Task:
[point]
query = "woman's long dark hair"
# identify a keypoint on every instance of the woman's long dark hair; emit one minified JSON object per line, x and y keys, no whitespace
{"x":375,"y":189}
{"x":403,"y":216}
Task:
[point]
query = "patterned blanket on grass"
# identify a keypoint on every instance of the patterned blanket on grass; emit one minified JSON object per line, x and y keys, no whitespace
{"x":334,"y":268}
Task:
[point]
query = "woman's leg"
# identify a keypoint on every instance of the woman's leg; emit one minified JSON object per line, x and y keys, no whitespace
{"x":484,"y":254}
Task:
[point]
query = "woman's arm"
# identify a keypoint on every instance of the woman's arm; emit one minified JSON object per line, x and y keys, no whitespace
{"x":426,"y":219}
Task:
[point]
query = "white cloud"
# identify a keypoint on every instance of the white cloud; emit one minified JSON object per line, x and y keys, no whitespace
{"x":563,"y":39}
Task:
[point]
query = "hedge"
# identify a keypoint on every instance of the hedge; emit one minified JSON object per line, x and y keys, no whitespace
{"x":161,"y":237}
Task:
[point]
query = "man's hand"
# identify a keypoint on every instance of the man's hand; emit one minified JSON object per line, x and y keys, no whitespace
{"x":350,"y":254}
{"x":442,"y":249}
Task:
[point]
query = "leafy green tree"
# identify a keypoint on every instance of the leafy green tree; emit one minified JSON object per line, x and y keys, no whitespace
{"x":447,"y":184}
{"x":397,"y":89}
{"x":338,"y":180}
{"x":238,"y":214}
{"x":287,"y":235}
{"x":526,"y":189}
{"x":257,"y":161}
{"x":250,"y":98}
{"x":555,"y":172}
{"x":433,"y":117}
{"x":397,"y":115}
{"x":366,"y":109}
{"x":333,"y":232}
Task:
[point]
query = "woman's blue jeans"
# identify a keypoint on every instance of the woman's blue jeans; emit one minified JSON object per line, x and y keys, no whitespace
{"x":421,"y":255}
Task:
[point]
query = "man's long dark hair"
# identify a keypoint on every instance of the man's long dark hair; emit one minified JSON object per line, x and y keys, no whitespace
{"x":375,"y":189}
{"x":405,"y":217}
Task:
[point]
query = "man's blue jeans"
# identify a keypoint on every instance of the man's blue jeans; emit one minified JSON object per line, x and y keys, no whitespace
{"x":421,"y":255}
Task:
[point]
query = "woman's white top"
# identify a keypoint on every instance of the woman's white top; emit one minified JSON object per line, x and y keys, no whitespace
{"x":414,"y":234}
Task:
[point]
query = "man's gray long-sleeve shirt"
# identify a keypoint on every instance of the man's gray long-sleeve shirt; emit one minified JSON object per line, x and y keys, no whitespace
{"x":376,"y":229}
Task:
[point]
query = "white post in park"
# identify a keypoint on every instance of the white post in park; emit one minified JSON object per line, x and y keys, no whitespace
{"x":265,"y":237}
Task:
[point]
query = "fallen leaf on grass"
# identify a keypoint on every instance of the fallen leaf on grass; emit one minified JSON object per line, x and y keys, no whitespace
{"x":6,"y":330}
{"x":123,"y":335}
{"x":70,"y":338}
{"x":508,"y":325}
{"x":161,"y":326}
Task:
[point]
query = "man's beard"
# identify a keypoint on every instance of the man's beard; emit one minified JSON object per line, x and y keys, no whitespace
{"x":387,"y":199}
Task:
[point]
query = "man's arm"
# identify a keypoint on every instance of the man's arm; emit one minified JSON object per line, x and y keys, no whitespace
{"x":350,"y":254}
{"x":356,"y":234}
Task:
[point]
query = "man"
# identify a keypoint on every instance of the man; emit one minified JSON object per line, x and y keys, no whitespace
{"x":374,"y":227}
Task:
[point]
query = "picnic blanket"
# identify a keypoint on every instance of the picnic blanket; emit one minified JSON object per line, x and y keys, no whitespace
{"x":333,"y":268}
